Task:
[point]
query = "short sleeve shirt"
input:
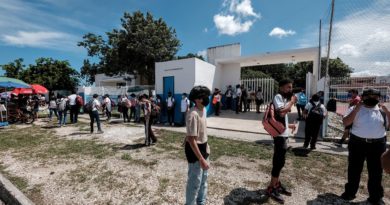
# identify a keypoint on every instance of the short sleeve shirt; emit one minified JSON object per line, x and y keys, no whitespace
{"x":368,"y":123}
{"x":95,"y":105}
{"x":280,"y":103}
{"x":309,"y":106}
{"x":72,"y":99}
{"x":196,"y":125}
{"x":185,"y":103}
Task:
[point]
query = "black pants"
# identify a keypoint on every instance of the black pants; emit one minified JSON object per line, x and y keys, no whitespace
{"x":359,"y":151}
{"x":229,"y":103}
{"x":238,"y":105}
{"x":108,"y":114}
{"x":94,"y":115}
{"x":279,"y":158}
{"x":171,"y":114}
{"x":216,"y":108}
{"x":149,"y":135}
{"x":300,"y":109}
{"x":74,"y":112}
{"x":132,"y":113}
{"x":125,"y":111}
{"x":243,"y":102}
{"x":311,"y":133}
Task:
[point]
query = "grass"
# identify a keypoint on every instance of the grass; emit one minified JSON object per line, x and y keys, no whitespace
{"x":20,"y":182}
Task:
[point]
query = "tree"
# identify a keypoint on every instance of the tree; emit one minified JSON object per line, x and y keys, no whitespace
{"x":52,"y":74}
{"x":190,"y":55}
{"x":337,"y":68}
{"x":132,"y":49}
{"x":13,"y":69}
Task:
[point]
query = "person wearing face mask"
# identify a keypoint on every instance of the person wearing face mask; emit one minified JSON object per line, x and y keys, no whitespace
{"x":369,"y":122}
{"x":185,"y":105}
{"x":197,"y":149}
{"x":314,"y":112}
{"x":283,"y":103}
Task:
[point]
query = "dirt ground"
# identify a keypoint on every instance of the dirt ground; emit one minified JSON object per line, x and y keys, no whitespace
{"x":68,"y":165}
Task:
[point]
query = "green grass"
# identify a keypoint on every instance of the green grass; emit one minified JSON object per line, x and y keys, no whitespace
{"x":20,"y":182}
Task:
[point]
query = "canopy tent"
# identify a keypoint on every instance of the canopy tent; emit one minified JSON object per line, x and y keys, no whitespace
{"x":12,"y":83}
{"x":35,"y":89}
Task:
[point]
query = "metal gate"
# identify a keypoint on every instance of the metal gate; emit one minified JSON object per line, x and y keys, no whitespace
{"x":267,"y":86}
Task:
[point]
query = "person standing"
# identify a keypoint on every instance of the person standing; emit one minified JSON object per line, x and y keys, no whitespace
{"x":244,"y":98}
{"x":197,"y":150}
{"x":108,"y":106}
{"x":282,"y":108}
{"x":94,"y":114}
{"x":314,"y":112}
{"x":259,"y":99}
{"x":36,"y":106}
{"x":159,"y":105}
{"x":355,"y":99}
{"x":217,"y":101}
{"x":170,"y":108}
{"x":367,"y":143}
{"x":120,"y":110}
{"x":52,"y":107}
{"x":73,"y":107}
{"x":62,"y":110}
{"x":185,"y":106}
{"x":229,"y":97}
{"x":238,"y":94}
{"x":133,"y":102}
{"x":125,"y":109}
{"x":301,"y":103}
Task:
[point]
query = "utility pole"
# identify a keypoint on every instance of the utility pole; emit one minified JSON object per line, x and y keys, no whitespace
{"x":319,"y":52}
{"x":330,"y":38}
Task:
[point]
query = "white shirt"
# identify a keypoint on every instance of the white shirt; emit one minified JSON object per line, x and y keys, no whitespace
{"x":107,"y":102}
{"x":95,"y":105}
{"x":280,"y":103}
{"x":238,"y":92}
{"x":309,"y":106}
{"x":185,"y":103}
{"x":368,"y":123}
{"x":72,"y":99}
{"x":170,"y":101}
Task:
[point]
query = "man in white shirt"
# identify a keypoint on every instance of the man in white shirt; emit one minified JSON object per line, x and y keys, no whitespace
{"x":282,"y":108}
{"x":170,"y":108}
{"x":73,"y":107}
{"x":367,"y":142}
{"x":94,"y":114}
{"x":238,"y":98}
{"x":185,"y":106}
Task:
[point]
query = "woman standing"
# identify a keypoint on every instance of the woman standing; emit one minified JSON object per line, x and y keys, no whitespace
{"x":367,"y":141}
{"x":52,"y":107}
{"x":94,"y":114}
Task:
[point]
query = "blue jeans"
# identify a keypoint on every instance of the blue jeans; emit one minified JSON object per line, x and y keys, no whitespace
{"x":94,"y":115}
{"x":62,"y":117}
{"x":196,"y":184}
{"x":52,"y":110}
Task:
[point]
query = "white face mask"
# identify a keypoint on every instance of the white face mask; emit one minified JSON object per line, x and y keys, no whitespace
{"x":316,"y":103}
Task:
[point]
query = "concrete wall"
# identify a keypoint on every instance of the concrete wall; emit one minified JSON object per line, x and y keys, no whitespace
{"x":205,"y":74}
{"x":230,"y":75}
{"x":225,"y":51}
{"x":104,"y":80}
{"x":183,"y":71}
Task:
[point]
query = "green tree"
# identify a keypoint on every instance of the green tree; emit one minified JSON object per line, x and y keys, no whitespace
{"x":132,"y":49}
{"x":190,"y":55}
{"x":337,"y":68}
{"x":13,"y":69}
{"x":52,"y":74}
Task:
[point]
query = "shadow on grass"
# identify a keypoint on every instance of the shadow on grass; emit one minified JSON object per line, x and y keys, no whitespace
{"x":300,"y":151}
{"x":130,"y":147}
{"x":244,"y":196}
{"x":48,"y":127}
{"x":80,"y":133}
{"x":330,"y":198}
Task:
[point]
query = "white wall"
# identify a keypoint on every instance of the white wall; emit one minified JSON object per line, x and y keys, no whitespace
{"x":183,"y":71}
{"x":225,"y":51}
{"x":230,"y":75}
{"x":205,"y":74}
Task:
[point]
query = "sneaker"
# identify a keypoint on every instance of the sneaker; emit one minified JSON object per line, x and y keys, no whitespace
{"x":275,"y":195}
{"x":283,"y":190}
{"x":100,"y":132}
{"x":338,"y":144}
{"x":313,"y":148}
{"x":347,"y":197}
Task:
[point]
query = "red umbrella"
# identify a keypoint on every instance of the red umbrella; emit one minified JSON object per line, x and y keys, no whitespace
{"x":22,"y":91}
{"x":39,"y":89}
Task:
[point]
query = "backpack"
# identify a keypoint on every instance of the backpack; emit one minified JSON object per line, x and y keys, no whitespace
{"x":270,"y":124}
{"x":316,"y":114}
{"x":79,"y":101}
{"x":112,"y":103}
{"x":88,"y":107}
{"x":302,"y":99}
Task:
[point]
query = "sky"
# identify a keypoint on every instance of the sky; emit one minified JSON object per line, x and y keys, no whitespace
{"x":30,"y":29}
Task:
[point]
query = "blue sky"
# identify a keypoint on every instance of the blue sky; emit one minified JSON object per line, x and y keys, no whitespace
{"x":51,"y":28}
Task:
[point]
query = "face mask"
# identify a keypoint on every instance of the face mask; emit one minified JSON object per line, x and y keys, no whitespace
{"x":205,"y":101}
{"x":288,"y":95}
{"x":371,"y":102}
{"x":316,"y":103}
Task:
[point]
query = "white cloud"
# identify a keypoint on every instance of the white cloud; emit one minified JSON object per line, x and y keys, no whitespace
{"x":348,"y":50}
{"x":281,"y":33}
{"x":231,"y":25}
{"x":237,"y":17}
{"x":202,"y":53}
{"x":42,"y":39}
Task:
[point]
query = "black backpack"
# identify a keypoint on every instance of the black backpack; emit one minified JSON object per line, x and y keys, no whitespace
{"x":316,"y":114}
{"x":88,"y":107}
